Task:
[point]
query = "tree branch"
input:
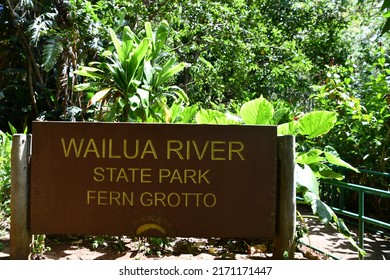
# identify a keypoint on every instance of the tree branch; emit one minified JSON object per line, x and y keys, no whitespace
{"x":25,"y":43}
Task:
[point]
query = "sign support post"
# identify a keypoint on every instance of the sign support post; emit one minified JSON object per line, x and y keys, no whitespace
{"x":284,"y":244}
{"x":20,"y":236}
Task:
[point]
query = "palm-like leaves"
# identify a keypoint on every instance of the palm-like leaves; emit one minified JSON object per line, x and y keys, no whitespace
{"x":131,"y":74}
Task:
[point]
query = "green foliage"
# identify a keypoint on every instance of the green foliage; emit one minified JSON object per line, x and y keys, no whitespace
{"x":235,"y":53}
{"x":359,"y":97}
{"x":311,"y":165}
{"x":42,"y":43}
{"x":257,"y":111}
{"x":5,"y":171}
{"x":361,"y":107}
{"x":5,"y":168}
{"x":131,"y":79}
{"x":155,"y":245}
{"x":38,"y":245}
{"x":316,"y":123}
{"x":98,"y":241}
{"x":238,"y":50}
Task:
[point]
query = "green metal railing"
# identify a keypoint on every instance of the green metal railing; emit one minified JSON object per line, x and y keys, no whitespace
{"x":362,"y":191}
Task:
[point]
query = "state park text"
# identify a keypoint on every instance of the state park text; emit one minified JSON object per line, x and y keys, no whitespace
{"x":145,"y":149}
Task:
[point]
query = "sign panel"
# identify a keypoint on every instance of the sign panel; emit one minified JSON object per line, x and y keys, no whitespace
{"x":153,"y":179}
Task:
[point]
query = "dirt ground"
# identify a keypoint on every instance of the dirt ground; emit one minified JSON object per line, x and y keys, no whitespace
{"x":75,"y":247}
{"x":78,"y":247}
{"x":330,"y":243}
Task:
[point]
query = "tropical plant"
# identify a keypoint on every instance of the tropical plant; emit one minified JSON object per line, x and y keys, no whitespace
{"x":5,"y":172}
{"x":131,"y":79}
{"x":312,"y":163}
{"x":42,"y":43}
{"x":362,"y":132}
{"x":238,"y":50}
{"x":38,"y":246}
{"x":361,"y":106}
{"x":5,"y":168}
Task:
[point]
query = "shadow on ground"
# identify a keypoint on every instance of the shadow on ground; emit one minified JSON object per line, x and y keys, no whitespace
{"x":326,"y":238}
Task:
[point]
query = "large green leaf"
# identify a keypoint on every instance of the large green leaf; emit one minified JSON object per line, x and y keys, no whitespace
{"x":149,"y":31}
{"x":160,"y":38}
{"x":325,"y":172}
{"x":176,"y":109}
{"x":83,"y":86}
{"x":86,"y":86}
{"x":133,"y":37}
{"x":169,"y":70}
{"x":136,"y":57}
{"x":128,"y":43}
{"x":257,"y":111}
{"x":134,"y":102}
{"x":116,"y":73}
{"x":157,"y":38}
{"x":98,"y":96}
{"x":326,"y":215}
{"x":188,"y":114}
{"x":278,"y":115}
{"x":178,"y":93}
{"x":209,"y":116}
{"x":317,"y":123}
{"x":117,"y":45}
{"x":312,"y":156}
{"x":168,"y":65}
{"x":333,"y":157}
{"x":319,"y":208}
{"x":343,"y":229}
{"x":213,"y":117}
{"x":305,"y":178}
{"x":144,"y":97}
{"x":148,"y":72}
{"x":90,"y":72}
{"x":290,"y":128}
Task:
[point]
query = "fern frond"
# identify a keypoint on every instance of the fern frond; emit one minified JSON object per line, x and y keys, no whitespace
{"x":51,"y":51}
{"x":41,"y":26}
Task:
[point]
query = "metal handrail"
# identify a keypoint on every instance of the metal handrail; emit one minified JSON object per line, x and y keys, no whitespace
{"x":385,"y":174}
{"x":360,"y":216}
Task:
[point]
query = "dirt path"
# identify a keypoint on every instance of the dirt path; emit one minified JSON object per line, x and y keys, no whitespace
{"x":376,"y":245}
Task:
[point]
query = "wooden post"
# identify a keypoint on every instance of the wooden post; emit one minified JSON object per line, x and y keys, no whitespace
{"x":284,"y":244}
{"x":20,"y":236}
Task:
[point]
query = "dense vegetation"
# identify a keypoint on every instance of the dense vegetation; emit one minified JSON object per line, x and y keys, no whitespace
{"x":298,"y":56}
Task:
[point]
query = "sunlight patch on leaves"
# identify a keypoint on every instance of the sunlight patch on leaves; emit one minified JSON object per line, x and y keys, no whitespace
{"x":290,"y":128}
{"x":213,"y":117}
{"x":312,"y":156}
{"x":333,"y":157}
{"x":317,"y":123}
{"x":257,"y":111}
{"x":305,"y":177}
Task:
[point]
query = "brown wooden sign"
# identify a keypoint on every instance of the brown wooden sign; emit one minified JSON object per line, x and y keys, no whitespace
{"x":153,"y":179}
